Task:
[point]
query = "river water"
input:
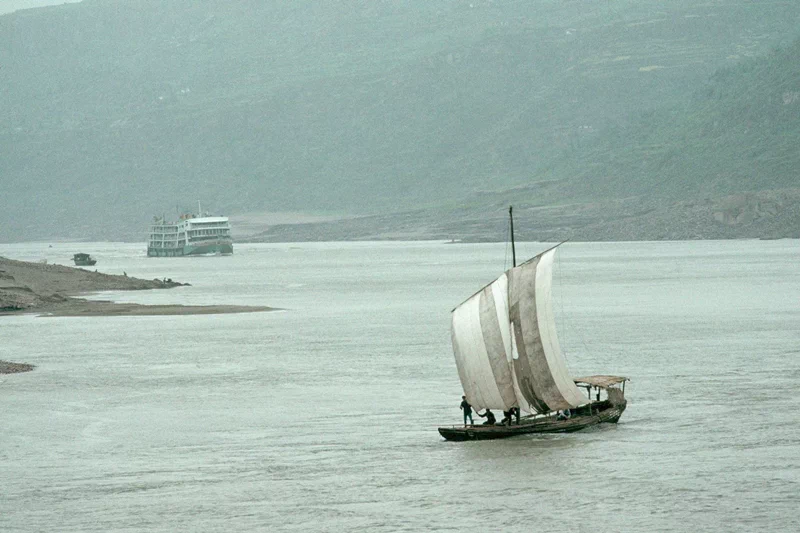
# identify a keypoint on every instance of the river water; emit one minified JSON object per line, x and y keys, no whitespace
{"x":323,"y":416}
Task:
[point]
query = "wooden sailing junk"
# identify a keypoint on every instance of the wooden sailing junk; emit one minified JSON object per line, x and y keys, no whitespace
{"x":508,"y":356}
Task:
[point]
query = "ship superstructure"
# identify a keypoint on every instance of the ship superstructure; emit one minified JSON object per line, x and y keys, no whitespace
{"x":190,"y":235}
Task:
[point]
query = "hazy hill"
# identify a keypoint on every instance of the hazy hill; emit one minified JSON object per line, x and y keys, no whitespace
{"x":9,"y":6}
{"x":116,"y":110}
{"x":722,"y":164}
{"x":738,"y":133}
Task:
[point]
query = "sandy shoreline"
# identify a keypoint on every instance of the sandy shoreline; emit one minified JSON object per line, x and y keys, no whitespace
{"x":104,"y":308}
{"x":48,"y":290}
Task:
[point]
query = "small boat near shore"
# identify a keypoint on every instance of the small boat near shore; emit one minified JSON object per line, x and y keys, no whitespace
{"x":509,"y":359}
{"x":84,"y":260}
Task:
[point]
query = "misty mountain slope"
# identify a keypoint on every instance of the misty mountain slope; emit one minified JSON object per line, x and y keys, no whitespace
{"x":738,"y":133}
{"x":117,"y":110}
{"x":722,"y":164}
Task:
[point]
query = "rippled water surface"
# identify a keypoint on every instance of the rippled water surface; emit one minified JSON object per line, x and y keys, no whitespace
{"x":323,"y":417}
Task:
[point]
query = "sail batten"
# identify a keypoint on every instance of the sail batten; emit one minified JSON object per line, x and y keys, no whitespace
{"x":506,"y":347}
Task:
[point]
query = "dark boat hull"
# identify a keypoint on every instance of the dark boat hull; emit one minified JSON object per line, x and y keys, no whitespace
{"x":602,"y":412}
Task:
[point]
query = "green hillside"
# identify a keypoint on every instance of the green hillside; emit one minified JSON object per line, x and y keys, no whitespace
{"x":114,"y":110}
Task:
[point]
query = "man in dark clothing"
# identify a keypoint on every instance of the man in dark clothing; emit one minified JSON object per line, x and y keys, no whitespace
{"x":509,"y":415}
{"x":489,"y":416}
{"x":467,"y":408}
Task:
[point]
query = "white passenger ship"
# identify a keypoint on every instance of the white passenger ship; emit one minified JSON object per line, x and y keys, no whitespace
{"x":190,"y":235}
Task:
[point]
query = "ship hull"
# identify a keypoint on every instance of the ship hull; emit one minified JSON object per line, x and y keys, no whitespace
{"x":601,"y":412}
{"x":215,"y":248}
{"x":225,"y":248}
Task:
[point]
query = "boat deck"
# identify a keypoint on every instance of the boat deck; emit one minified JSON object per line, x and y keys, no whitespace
{"x":582,"y":417}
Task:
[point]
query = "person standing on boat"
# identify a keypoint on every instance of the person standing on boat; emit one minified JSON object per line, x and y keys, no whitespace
{"x":509,"y":415}
{"x":467,"y":408}
{"x":489,"y":416}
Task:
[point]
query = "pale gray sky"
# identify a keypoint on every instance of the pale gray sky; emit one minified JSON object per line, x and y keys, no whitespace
{"x":7,"y":6}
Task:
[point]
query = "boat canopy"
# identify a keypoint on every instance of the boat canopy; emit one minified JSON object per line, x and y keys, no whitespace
{"x":601,"y":382}
{"x":506,"y":347}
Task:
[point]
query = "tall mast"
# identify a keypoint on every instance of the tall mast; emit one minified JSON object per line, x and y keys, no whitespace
{"x":513,"y":250}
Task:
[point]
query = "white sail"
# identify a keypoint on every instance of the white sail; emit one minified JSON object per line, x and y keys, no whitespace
{"x":482,"y":346}
{"x":506,"y":347}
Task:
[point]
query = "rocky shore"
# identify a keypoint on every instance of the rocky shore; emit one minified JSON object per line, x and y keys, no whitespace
{"x":51,"y":290}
